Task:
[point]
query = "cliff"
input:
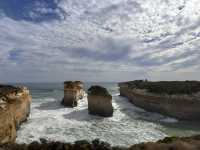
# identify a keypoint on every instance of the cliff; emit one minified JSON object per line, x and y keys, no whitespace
{"x":179,"y":101}
{"x":14,"y":109}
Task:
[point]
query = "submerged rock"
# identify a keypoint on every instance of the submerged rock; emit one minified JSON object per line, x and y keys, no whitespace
{"x":14,"y":109}
{"x":73,"y":91}
{"x":179,"y":99}
{"x":99,"y":101}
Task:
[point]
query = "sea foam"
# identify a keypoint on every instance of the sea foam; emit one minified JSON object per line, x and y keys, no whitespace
{"x":50,"y":120}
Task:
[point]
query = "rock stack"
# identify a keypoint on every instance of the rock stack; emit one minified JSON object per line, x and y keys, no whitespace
{"x":99,"y":101}
{"x":73,"y":91}
{"x":14,"y":109}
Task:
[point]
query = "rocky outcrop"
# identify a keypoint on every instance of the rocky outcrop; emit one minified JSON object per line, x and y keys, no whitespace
{"x":181,"y":106}
{"x":14,"y":109}
{"x":73,"y":91}
{"x":168,"y":143}
{"x":99,"y":101}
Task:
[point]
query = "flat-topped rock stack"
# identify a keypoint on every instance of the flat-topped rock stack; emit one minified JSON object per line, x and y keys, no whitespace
{"x":179,"y":99}
{"x":73,"y":91}
{"x":14,"y":109}
{"x":99,"y":101}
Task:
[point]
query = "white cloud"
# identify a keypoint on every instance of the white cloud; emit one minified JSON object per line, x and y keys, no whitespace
{"x":104,"y":40}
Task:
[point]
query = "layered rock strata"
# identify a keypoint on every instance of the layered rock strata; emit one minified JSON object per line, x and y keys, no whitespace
{"x":73,"y":91}
{"x":182,"y":106}
{"x":14,"y":109}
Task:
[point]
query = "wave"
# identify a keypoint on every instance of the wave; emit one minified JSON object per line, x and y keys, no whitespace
{"x":129,"y":124}
{"x":50,"y":120}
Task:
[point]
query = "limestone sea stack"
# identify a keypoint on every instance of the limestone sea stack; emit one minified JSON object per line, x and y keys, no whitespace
{"x":14,"y":109}
{"x":99,"y":101}
{"x":73,"y":91}
{"x":179,"y":99}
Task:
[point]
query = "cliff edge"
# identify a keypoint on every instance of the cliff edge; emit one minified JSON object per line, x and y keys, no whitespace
{"x":179,"y":99}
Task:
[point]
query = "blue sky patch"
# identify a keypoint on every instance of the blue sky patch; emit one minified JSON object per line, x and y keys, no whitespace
{"x":31,"y":10}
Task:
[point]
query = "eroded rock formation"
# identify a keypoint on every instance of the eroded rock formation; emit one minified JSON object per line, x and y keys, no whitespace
{"x":73,"y":91}
{"x":152,"y":97}
{"x":14,"y":109}
{"x":99,"y":101}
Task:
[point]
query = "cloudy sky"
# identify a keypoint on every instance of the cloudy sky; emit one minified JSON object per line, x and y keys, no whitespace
{"x":99,"y":40}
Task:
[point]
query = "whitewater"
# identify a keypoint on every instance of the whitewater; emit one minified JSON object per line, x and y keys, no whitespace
{"x":129,"y":124}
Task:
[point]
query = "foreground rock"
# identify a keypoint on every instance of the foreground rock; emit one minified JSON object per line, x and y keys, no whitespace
{"x":99,"y":101}
{"x":176,"y":99}
{"x":73,"y":91}
{"x":14,"y":109}
{"x":169,"y":143}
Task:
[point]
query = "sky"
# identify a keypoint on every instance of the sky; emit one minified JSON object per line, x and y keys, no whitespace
{"x":102,"y":41}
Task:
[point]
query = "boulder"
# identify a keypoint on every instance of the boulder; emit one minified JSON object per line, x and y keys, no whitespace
{"x":99,"y":101}
{"x":14,"y":109}
{"x":73,"y":91}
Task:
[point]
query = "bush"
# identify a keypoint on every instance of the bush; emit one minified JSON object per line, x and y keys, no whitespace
{"x":98,"y":90}
{"x":167,"y":87}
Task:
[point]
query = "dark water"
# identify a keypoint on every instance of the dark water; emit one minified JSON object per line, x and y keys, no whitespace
{"x":129,"y":124}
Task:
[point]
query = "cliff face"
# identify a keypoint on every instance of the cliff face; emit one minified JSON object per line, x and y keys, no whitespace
{"x":184,"y":107}
{"x":73,"y":91}
{"x":14,"y":109}
{"x":99,"y":102}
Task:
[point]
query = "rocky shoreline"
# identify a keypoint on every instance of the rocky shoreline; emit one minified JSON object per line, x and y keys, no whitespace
{"x":168,"y":143}
{"x":181,"y":106}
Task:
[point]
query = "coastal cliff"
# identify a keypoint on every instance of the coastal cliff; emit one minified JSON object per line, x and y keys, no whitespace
{"x":14,"y":109}
{"x":179,"y":99}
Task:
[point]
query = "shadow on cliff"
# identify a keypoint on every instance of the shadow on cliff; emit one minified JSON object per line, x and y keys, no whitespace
{"x":53,"y":105}
{"x":136,"y":113}
{"x":82,"y":115}
{"x":130,"y":110}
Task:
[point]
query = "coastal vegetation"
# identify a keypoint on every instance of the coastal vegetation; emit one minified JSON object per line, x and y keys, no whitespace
{"x":168,"y":143}
{"x":167,"y":87}
{"x":98,"y":90}
{"x":7,"y":89}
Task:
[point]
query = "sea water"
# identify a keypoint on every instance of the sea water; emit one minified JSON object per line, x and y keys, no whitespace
{"x":129,"y":125}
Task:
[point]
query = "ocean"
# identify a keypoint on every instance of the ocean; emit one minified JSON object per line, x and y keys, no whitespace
{"x":129,"y":125}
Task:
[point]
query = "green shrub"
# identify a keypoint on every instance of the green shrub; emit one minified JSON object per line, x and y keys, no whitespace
{"x":167,"y":87}
{"x":98,"y":90}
